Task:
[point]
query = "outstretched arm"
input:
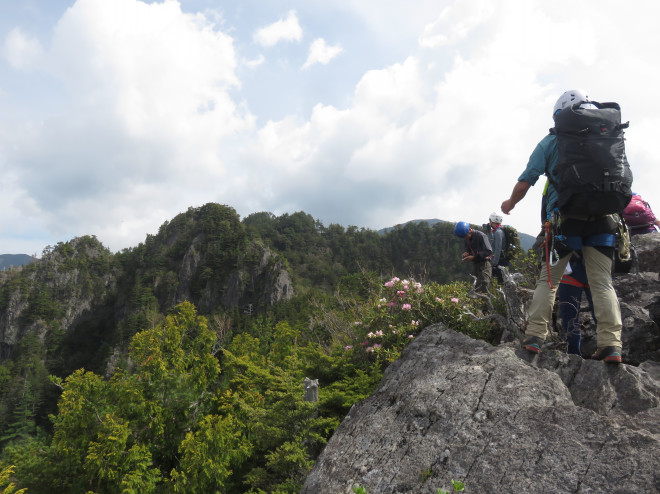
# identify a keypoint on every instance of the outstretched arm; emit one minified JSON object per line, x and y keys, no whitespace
{"x":519,"y":191}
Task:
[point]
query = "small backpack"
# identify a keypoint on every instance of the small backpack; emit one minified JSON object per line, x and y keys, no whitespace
{"x":592,"y":175}
{"x":638,"y":213}
{"x":511,"y":242}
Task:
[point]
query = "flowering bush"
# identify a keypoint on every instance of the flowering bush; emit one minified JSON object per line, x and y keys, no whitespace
{"x":404,"y":307}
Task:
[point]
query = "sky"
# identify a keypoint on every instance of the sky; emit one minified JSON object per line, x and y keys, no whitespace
{"x":117,"y":115}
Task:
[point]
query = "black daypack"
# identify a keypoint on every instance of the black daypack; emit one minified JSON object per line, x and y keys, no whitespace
{"x":511,"y":242}
{"x":592,"y":176}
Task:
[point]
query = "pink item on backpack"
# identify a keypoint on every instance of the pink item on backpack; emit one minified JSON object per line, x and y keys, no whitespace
{"x":638,"y":212}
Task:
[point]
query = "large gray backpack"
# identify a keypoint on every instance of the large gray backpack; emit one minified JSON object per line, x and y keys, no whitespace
{"x":592,"y":176}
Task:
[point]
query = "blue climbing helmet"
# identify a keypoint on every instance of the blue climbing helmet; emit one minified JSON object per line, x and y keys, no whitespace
{"x":461,"y":229}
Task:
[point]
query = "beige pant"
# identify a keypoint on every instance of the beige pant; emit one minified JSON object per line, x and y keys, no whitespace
{"x":606,"y":303}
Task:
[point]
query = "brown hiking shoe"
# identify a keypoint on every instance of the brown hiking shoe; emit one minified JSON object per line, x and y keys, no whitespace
{"x":532,"y":344}
{"x":610,"y":354}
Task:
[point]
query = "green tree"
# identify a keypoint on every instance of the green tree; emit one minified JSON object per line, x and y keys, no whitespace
{"x":265,"y":392}
{"x":5,"y":484}
{"x":174,"y":370}
{"x":148,"y":422}
{"x":207,"y":455}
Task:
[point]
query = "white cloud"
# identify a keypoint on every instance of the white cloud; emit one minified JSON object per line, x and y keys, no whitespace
{"x":20,"y":49}
{"x":425,"y":140}
{"x":456,"y":23}
{"x":256,"y":62}
{"x":149,"y":104}
{"x":159,"y":117}
{"x":287,"y":29}
{"x":320,"y":52}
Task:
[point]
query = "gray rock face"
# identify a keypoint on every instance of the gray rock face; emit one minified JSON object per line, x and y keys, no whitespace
{"x":75,"y":292}
{"x":639,"y":299}
{"x":10,"y":320}
{"x":189,"y":265}
{"x":269,"y":274}
{"x":455,"y":408}
{"x":648,"y":252}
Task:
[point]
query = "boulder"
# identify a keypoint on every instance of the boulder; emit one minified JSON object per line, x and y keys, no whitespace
{"x":453,"y":408}
{"x":647,"y":248}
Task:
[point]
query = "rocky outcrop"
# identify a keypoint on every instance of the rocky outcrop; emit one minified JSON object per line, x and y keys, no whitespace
{"x":78,"y":280}
{"x":456,"y":408}
{"x":262,"y":283}
{"x":189,"y":266}
{"x":280,"y":286}
{"x":10,"y":327}
{"x":647,"y":248}
{"x":639,"y":299}
{"x":65,"y":285}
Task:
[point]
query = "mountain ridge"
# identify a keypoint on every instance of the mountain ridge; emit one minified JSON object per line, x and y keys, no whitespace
{"x":8,"y":261}
{"x":526,"y":240}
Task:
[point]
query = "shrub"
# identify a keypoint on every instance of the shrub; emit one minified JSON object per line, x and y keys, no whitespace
{"x":404,"y":307}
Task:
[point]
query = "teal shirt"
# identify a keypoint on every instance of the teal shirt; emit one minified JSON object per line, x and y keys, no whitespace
{"x":543,"y":157}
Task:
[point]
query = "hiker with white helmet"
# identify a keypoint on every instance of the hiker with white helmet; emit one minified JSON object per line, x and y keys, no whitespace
{"x":498,"y":241}
{"x":478,"y":251}
{"x":589,"y":227}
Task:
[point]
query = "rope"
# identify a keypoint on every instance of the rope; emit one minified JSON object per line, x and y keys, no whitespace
{"x":547,"y":255}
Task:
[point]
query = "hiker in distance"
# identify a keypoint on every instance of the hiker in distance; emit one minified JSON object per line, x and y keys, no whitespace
{"x":577,"y":221}
{"x":478,"y":251}
{"x":497,"y":239}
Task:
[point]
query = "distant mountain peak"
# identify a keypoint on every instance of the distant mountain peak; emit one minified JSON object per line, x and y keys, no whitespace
{"x":14,"y":260}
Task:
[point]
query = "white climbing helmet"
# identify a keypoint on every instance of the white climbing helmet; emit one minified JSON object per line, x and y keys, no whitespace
{"x":569,"y":98}
{"x":495,"y":218}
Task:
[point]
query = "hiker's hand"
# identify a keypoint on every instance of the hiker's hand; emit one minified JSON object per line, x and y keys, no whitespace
{"x":468,"y":258}
{"x":507,"y":206}
{"x":519,"y":191}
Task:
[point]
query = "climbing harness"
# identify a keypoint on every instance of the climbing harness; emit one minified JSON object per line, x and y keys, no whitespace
{"x":554,"y":222}
{"x":551,"y":232}
{"x":622,"y":239}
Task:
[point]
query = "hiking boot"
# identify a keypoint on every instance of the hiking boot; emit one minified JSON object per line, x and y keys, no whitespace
{"x":532,"y":344}
{"x":610,"y":354}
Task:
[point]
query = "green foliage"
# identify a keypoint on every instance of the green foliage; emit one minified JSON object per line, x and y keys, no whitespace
{"x":358,"y":489}
{"x":528,"y":265}
{"x":385,"y":325}
{"x":49,"y":291}
{"x":114,"y":461}
{"x":425,"y":474}
{"x":511,"y":240}
{"x":22,"y":388}
{"x":321,"y":256}
{"x":207,"y":454}
{"x":31,"y":465}
{"x":341,"y":395}
{"x":165,"y":419}
{"x":457,"y":486}
{"x":5,"y":484}
{"x":127,"y":434}
{"x":264,"y":390}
